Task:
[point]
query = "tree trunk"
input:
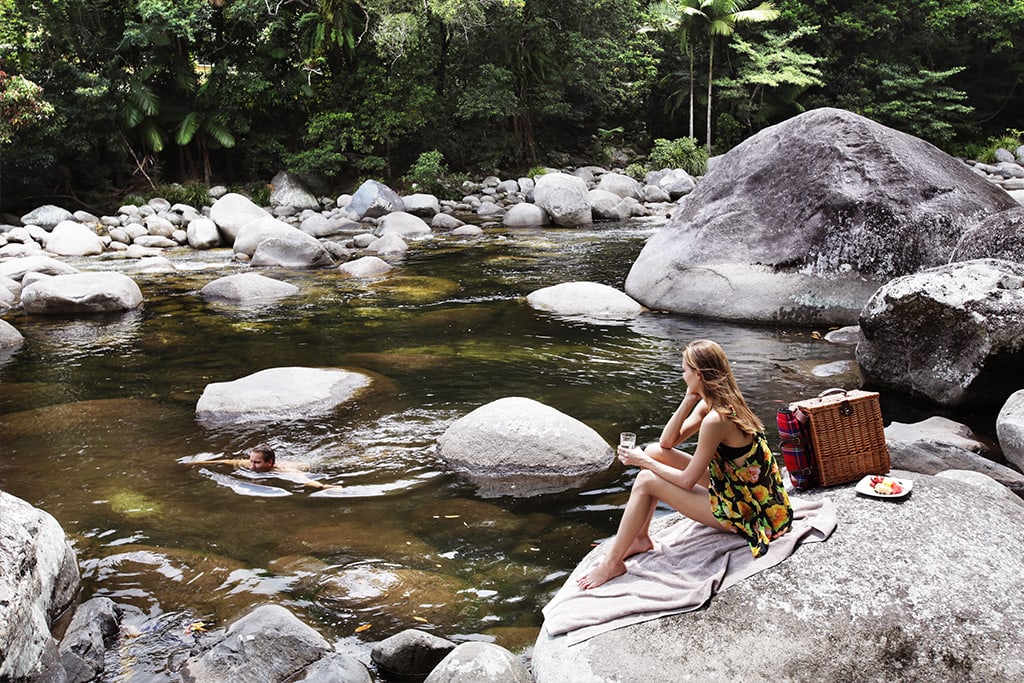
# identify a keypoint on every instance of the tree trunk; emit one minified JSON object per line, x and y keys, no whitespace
{"x":693,"y":84}
{"x":711,"y":79}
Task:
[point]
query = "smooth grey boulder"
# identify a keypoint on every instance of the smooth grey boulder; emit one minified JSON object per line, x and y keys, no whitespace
{"x":391,"y":244}
{"x":590,"y":299}
{"x":100,"y":292}
{"x":607,"y":206}
{"x":154,"y":242}
{"x":999,"y":236}
{"x":202,"y":233}
{"x":476,"y":662}
{"x":292,"y":250}
{"x":47,"y":216}
{"x":951,"y":334}
{"x":521,"y":447}
{"x":10,"y":337}
{"x":1010,"y":428}
{"x":286,"y":393}
{"x":445,"y":221}
{"x":405,"y":225}
{"x":564,"y":198}
{"x":801,"y":222}
{"x":938,"y":444}
{"x":925,"y":587}
{"x":374,"y":199}
{"x":620,"y":185}
{"x":160,"y":226}
{"x":467,"y":231}
{"x":982,"y":481}
{"x":247,"y":287}
{"x":16,"y":268}
{"x":38,"y":582}
{"x":70,"y":238}
{"x":366,"y":266}
{"x":422,"y":204}
{"x":675,"y":182}
{"x":252,"y":233}
{"x":412,"y":653}
{"x":525,"y":215}
{"x":267,"y":644}
{"x":289,"y":190}
{"x":232,"y":211}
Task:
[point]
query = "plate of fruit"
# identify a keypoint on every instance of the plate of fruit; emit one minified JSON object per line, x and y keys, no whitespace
{"x":881,"y":486}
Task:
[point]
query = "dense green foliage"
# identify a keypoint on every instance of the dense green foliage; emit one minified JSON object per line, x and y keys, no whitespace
{"x":127,"y":95}
{"x":682,"y":153}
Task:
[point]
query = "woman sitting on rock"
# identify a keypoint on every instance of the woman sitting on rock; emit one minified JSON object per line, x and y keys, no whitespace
{"x":731,"y":481}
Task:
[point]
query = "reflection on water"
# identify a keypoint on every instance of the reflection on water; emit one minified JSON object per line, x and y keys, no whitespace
{"x":98,"y":418}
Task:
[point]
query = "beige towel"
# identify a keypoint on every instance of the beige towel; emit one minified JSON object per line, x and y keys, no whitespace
{"x":689,"y":564}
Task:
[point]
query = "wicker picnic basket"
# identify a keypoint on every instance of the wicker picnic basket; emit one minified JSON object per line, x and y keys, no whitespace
{"x":847,"y":435}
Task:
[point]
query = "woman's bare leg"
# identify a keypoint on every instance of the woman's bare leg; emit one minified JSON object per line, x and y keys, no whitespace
{"x":633,"y":534}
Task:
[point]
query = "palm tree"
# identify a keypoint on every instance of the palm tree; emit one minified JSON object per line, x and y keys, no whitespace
{"x":683,"y":16}
{"x":721,"y":17}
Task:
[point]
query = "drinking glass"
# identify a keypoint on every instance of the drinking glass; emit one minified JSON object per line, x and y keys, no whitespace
{"x":627,"y":439}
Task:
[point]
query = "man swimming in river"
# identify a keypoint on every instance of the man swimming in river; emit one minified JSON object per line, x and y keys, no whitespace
{"x":262,"y":460}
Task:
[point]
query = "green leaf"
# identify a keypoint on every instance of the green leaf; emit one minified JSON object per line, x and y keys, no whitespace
{"x":188,"y":127}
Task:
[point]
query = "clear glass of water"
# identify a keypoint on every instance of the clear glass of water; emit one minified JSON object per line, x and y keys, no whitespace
{"x":627,"y":439}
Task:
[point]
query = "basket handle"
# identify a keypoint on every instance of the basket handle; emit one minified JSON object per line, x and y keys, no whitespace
{"x":845,"y":409}
{"x":830,"y":392}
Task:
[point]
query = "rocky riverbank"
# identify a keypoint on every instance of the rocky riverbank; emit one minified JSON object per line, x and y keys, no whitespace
{"x":376,"y":226}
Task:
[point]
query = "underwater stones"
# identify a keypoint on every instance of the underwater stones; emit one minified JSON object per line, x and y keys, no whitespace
{"x":518,"y":446}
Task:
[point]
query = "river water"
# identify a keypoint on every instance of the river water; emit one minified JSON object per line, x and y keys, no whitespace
{"x":97,"y":417}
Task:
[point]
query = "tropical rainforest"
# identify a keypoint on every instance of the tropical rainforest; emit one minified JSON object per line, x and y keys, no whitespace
{"x":105,"y":97}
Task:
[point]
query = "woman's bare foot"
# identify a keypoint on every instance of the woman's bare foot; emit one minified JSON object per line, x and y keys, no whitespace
{"x":601,"y":573}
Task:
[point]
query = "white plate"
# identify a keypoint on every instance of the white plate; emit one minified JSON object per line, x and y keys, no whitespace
{"x":864,"y":486}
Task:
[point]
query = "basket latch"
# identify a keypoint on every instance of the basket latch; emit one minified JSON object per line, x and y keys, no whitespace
{"x":845,"y":409}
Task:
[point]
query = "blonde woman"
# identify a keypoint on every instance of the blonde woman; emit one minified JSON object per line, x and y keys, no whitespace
{"x":730,"y":482}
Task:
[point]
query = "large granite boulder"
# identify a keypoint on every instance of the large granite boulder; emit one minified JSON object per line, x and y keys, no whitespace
{"x":405,"y":225}
{"x":925,"y":587}
{"x":803,"y":221}
{"x":520,"y":447}
{"x":252,"y":233}
{"x":288,"y":190}
{"x":374,"y":199}
{"x":1010,"y":428}
{"x":565,"y":199}
{"x":16,"y":268}
{"x":202,"y":233}
{"x":999,"y":236}
{"x":412,"y":653}
{"x":590,"y":299}
{"x":100,"y":292}
{"x":939,"y":444}
{"x":621,"y":185}
{"x":70,"y":238}
{"x":47,"y":216}
{"x":295,"y":249}
{"x":232,"y":211}
{"x":247,"y":288}
{"x":287,"y":393}
{"x":38,"y":581}
{"x":951,"y":334}
{"x":267,"y":644}
{"x":525,"y":215}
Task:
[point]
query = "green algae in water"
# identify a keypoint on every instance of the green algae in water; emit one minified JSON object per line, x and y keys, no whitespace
{"x":132,"y":504}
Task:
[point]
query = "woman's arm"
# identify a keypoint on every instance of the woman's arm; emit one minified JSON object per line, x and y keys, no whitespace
{"x":684,"y":421}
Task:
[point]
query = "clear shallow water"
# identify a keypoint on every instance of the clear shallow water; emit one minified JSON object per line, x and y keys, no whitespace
{"x":98,"y":421}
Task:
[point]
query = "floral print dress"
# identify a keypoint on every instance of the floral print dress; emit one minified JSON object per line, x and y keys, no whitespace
{"x":750,"y":499}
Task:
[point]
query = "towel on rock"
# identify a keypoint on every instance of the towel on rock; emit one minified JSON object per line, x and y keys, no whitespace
{"x":690,"y":563}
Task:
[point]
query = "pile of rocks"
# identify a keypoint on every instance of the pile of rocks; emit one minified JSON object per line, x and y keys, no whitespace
{"x":559,"y":198}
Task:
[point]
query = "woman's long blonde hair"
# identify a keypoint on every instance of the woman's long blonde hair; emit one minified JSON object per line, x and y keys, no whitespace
{"x":720,"y":390}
